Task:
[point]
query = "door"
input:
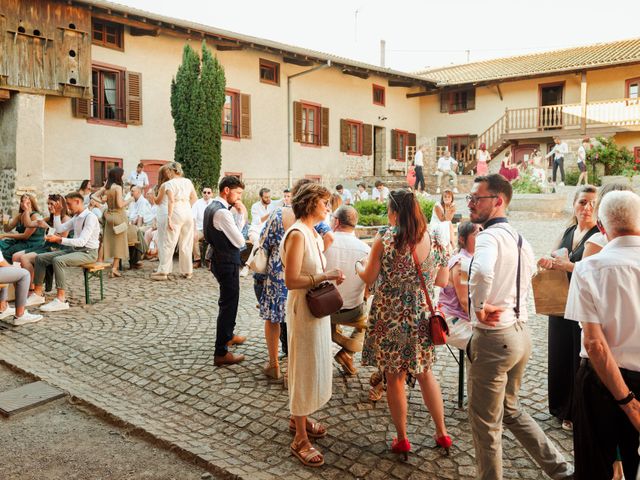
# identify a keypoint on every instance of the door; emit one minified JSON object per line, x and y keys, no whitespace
{"x":551,"y":97}
{"x":522,"y":153}
{"x":460,"y":147}
{"x":379,"y":150}
{"x":151,"y":168}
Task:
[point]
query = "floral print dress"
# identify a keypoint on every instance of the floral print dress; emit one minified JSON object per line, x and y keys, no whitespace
{"x":398,"y":338}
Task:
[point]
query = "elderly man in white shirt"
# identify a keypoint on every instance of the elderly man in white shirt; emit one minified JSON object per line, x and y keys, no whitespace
{"x":447,"y":166}
{"x":343,"y":253}
{"x":139,"y":209}
{"x":198,"y":209}
{"x":559,"y":151}
{"x":499,"y":283}
{"x":139,"y":178}
{"x":605,"y":297}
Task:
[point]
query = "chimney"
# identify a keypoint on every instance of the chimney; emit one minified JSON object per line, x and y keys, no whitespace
{"x":383,"y":47}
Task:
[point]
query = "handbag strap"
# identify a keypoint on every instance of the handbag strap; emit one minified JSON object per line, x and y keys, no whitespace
{"x":421,"y":277}
{"x":320,"y":255}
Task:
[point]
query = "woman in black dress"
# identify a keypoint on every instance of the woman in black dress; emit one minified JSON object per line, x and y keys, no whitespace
{"x":564,"y":335}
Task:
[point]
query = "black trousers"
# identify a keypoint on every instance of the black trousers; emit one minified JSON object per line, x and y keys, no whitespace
{"x":419,"y":178}
{"x":558,"y":163}
{"x":600,"y":426}
{"x":228,"y":276}
{"x":564,"y":361}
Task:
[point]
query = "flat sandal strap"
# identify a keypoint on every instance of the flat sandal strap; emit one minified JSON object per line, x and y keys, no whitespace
{"x":307,"y":453}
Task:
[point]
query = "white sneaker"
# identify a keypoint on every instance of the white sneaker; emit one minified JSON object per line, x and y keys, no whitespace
{"x":455,"y":190}
{"x":35,"y":299}
{"x":55,"y":305}
{"x":9,"y":311}
{"x":27,"y":318}
{"x":437,"y":191}
{"x":561,"y":184}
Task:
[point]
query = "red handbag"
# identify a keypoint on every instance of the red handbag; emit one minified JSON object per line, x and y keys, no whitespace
{"x":438,"y":328}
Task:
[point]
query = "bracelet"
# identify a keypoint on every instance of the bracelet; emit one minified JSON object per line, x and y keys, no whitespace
{"x":313,"y":281}
{"x":626,"y":399}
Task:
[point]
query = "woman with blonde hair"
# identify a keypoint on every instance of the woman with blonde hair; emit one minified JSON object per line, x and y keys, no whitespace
{"x":175,"y":196}
{"x":310,"y":358}
{"x":27,"y":238}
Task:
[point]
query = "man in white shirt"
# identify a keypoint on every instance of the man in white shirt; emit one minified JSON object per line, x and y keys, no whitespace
{"x":139,"y":209}
{"x":139,"y":178}
{"x":558,"y":151}
{"x":418,"y":162}
{"x":605,"y":297}
{"x":83,"y":249}
{"x":447,"y":166}
{"x":198,"y":209}
{"x":343,"y":253}
{"x":223,"y":232}
{"x":380,"y":193}
{"x":260,"y":212}
{"x":345,"y":194}
{"x":499,"y":283}
{"x":362,"y":193}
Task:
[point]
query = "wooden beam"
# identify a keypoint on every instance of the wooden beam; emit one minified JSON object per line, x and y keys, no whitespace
{"x":4,"y":95}
{"x":499,"y":91}
{"x":583,"y":102}
{"x":303,"y":62}
{"x":141,"y":32}
{"x":401,"y":83}
{"x":225,"y":48}
{"x":426,"y":93}
{"x":355,"y":73}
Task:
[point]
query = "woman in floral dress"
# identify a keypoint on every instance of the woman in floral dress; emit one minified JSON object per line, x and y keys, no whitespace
{"x":398,"y":342}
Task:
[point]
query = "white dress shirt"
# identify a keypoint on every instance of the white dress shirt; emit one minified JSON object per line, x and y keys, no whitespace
{"x":86,"y":230}
{"x":558,"y":151}
{"x":140,"y":208}
{"x":446,"y":164}
{"x":224,"y":221}
{"x":605,"y":289}
{"x":343,"y":253}
{"x":362,"y":195}
{"x":582,"y":154}
{"x":198,"y":209}
{"x":375,"y":193}
{"x":346,"y":196}
{"x":496,"y":258}
{"x":138,"y":179}
{"x":418,"y":159}
{"x":259,"y":210}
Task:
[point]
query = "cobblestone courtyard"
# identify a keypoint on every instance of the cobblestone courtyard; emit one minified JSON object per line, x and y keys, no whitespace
{"x":145,"y":356}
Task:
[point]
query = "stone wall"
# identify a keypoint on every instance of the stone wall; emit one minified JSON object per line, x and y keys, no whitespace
{"x":8,"y":199}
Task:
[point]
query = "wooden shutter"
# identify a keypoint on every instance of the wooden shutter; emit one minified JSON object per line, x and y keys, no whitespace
{"x":367,"y":139}
{"x":324,"y":127}
{"x":133,"y":92}
{"x":444,"y":102}
{"x":81,"y":107}
{"x":471,"y":99}
{"x":344,"y":135}
{"x":394,"y":144}
{"x":412,"y":139}
{"x":297,"y":122}
{"x":245,"y":115}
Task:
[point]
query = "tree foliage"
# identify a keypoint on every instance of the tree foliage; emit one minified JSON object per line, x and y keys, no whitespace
{"x":197,"y":99}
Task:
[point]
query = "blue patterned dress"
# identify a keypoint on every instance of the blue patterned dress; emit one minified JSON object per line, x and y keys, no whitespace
{"x":397,"y":338}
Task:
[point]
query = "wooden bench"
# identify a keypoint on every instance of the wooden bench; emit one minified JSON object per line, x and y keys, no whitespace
{"x":93,"y":270}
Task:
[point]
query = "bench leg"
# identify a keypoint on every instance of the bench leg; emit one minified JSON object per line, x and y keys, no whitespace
{"x":101,"y":287}
{"x":460,"y":378}
{"x":87,"y":297}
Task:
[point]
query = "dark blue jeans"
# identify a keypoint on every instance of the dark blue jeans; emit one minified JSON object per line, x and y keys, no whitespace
{"x":228,"y":276}
{"x":419,"y":179}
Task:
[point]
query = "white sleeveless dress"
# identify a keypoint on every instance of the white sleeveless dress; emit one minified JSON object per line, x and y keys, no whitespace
{"x":310,"y":361}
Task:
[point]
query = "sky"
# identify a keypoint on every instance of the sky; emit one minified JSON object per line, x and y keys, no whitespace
{"x":418,"y":34}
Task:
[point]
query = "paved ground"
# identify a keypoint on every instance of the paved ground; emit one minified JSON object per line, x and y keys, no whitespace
{"x":145,"y":355}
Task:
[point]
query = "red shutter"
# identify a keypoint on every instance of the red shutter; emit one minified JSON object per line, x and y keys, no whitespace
{"x":394,"y":144}
{"x":344,"y":135}
{"x":133,"y":92}
{"x":412,"y":139}
{"x":81,"y":107}
{"x":297,"y":122}
{"x":444,"y":102}
{"x":471,"y":99}
{"x":367,"y":139}
{"x":324,"y":131}
{"x":245,"y":115}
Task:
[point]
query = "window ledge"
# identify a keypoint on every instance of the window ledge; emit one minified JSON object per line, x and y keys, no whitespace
{"x":311,"y":145}
{"x":110,"y":123}
{"x":230,"y":137}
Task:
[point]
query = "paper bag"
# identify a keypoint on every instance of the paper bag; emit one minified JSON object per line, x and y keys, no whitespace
{"x":550,"y":290}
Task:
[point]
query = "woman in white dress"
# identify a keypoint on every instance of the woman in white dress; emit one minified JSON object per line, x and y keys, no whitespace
{"x":175,"y":222}
{"x":441,"y":218}
{"x":310,"y":357}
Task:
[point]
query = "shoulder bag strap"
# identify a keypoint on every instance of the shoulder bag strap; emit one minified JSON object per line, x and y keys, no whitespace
{"x":421,"y":277}
{"x":517,"y":307}
{"x":320,"y":255}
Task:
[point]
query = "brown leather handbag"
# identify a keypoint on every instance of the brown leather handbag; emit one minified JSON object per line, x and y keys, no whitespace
{"x":438,"y":328}
{"x":324,"y":299}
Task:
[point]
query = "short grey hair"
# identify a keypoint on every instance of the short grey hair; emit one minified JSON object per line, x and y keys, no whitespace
{"x":619,"y":213}
{"x":346,"y":215}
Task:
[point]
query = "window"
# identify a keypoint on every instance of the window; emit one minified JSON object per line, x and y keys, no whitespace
{"x":230,"y":114}
{"x":269,"y":72}
{"x":100,"y":166}
{"x":351,"y":137}
{"x":314,"y":178}
{"x":235,"y":174}
{"x":310,"y":124}
{"x":401,"y":142}
{"x":458,"y":101}
{"x":378,"y":95}
{"x":632,"y":89}
{"x":108,"y":94}
{"x":107,"y":34}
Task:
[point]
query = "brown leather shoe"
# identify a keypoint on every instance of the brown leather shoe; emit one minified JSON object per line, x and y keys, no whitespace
{"x":236,"y":340}
{"x":228,"y":359}
{"x":197,"y":264}
{"x":346,"y":362}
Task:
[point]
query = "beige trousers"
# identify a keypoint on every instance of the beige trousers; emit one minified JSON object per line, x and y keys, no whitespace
{"x":452,"y":175}
{"x":181,"y":235}
{"x":198,"y":235}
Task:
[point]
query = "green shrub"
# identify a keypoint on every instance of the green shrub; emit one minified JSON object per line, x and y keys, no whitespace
{"x":371,"y":219}
{"x":526,"y":184}
{"x":427,"y":207}
{"x":370,"y":207}
{"x":617,"y":160}
{"x":371,"y":212}
{"x":571,"y":178}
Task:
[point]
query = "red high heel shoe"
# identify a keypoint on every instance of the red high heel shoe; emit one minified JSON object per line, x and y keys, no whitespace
{"x":401,"y":447}
{"x":444,"y":442}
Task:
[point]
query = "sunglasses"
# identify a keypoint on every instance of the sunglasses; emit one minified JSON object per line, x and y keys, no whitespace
{"x":584,"y":203}
{"x":206,"y":192}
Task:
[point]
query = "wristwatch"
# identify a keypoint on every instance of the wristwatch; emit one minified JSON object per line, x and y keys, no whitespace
{"x":626,"y":399}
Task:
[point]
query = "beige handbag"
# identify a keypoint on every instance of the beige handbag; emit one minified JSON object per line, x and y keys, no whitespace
{"x":550,"y":291}
{"x":120,"y":228}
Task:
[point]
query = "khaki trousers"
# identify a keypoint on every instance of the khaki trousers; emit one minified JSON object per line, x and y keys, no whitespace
{"x":498,"y":360}
{"x":452,"y":175}
{"x":181,"y":235}
{"x":198,"y":235}
{"x":356,"y":318}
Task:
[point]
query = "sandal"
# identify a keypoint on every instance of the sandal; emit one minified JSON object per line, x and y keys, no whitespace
{"x":377,"y":392}
{"x":376,"y":378}
{"x":114,"y":274}
{"x":314,"y":429}
{"x":306,"y":453}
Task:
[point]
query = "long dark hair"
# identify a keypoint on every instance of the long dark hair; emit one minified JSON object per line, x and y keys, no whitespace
{"x":114,"y":176}
{"x":57,"y":198}
{"x":410,"y":223}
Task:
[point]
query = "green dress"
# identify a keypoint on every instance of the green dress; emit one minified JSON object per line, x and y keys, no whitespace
{"x":34,"y":243}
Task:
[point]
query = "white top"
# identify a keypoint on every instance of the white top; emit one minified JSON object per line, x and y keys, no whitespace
{"x":346,"y":196}
{"x":86,"y":230}
{"x":483,"y":156}
{"x":1,"y":257}
{"x":198,"y":211}
{"x":224,"y":221}
{"x":605,"y":289}
{"x":375,"y":193}
{"x":140,"y":208}
{"x":181,"y":188}
{"x":259,"y":210}
{"x":597,"y":239}
{"x":343,"y":253}
{"x":138,"y":179}
{"x":582,"y":154}
{"x":496,"y":258}
{"x":446,"y":164}
{"x":559,"y":151}
{"x":418,"y":159}
{"x":364,"y":195}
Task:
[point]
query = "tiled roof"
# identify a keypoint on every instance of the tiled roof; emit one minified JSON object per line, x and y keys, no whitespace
{"x":538,"y":64}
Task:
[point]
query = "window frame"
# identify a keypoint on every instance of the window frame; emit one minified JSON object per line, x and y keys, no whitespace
{"x":264,"y":63}
{"x":627,"y":86}
{"x":379,"y":88}
{"x":349,"y":124}
{"x":235,"y":114}
{"x":119,"y":45}
{"x":121,"y":120}
{"x":400,"y":153}
{"x":314,"y":178}
{"x":317,"y":126}
{"x":105,"y":161}
{"x":451,"y":101}
{"x":235,"y":174}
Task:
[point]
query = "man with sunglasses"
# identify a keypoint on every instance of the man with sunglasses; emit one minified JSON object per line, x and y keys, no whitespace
{"x":198,"y":209}
{"x":499,"y":283}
